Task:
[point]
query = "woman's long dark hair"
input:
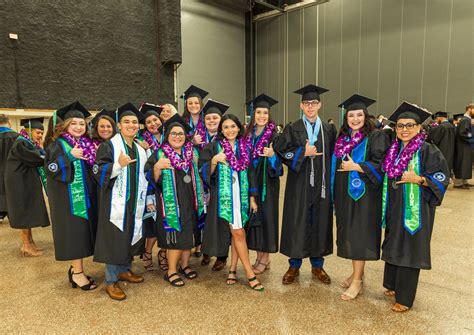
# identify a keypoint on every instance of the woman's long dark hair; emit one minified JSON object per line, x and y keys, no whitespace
{"x":49,"y":136}
{"x":95,"y":130}
{"x":366,"y":128}
{"x":234,"y":118}
{"x":251,"y":125}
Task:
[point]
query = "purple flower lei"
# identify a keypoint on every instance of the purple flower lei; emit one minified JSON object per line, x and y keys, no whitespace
{"x":263,"y":140}
{"x":25,"y":134}
{"x":396,"y":168}
{"x":345,"y":144}
{"x":148,"y":137}
{"x":236,"y":164}
{"x":88,"y":148}
{"x":176,"y":161}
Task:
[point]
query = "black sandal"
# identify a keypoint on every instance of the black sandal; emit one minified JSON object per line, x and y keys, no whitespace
{"x":87,"y":287}
{"x":147,"y":259}
{"x":162,"y":260}
{"x":178,"y":282}
{"x":190,"y":274}
{"x":231,"y":280}
{"x":256,"y":286}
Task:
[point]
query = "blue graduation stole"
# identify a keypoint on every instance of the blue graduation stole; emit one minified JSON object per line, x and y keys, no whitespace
{"x":356,"y":186}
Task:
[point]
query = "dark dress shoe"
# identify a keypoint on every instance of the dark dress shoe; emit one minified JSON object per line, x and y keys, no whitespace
{"x":206,"y":259}
{"x":115,"y":291}
{"x":290,"y":276}
{"x":130,"y":277}
{"x":322,"y":275}
{"x":218,"y":265}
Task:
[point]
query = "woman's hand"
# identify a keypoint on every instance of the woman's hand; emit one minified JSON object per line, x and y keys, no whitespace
{"x":197,"y":139}
{"x":253,"y":205}
{"x":410,"y":176}
{"x":349,"y":165}
{"x":151,"y":208}
{"x":268,"y":152}
{"x":219,"y":158}
{"x":76,"y":152}
{"x":163,"y":163}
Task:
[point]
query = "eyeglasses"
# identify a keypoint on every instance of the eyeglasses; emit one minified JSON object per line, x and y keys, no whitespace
{"x":408,"y":126}
{"x":174,"y":134}
{"x":310,"y":103}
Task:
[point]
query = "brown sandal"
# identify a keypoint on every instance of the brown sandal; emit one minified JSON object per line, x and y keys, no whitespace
{"x":389,"y":293}
{"x":399,"y":308}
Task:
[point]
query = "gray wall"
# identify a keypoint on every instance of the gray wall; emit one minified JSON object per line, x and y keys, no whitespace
{"x":391,"y":50}
{"x":213,"y":39}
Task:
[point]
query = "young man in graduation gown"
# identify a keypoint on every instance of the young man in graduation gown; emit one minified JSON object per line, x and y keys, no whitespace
{"x":443,"y":136}
{"x":416,"y":178}
{"x":7,"y":138}
{"x":306,"y":146}
{"x":463,"y":150}
{"x":25,"y":178}
{"x":119,"y":170}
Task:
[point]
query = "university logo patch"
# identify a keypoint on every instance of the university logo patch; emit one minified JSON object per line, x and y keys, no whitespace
{"x":356,"y":183}
{"x":53,"y":167}
{"x":95,"y":168}
{"x":289,"y":155}
{"x":439,"y":176}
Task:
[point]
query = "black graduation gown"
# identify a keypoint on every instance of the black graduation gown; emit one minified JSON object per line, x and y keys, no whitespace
{"x":113,"y":246}
{"x":7,"y":138}
{"x":26,"y":205}
{"x":400,"y":247}
{"x":358,"y":222}
{"x":185,"y":194}
{"x":72,"y":235}
{"x":301,"y":238}
{"x":264,"y":237}
{"x":443,"y":136}
{"x":462,"y":151}
{"x":216,"y":237}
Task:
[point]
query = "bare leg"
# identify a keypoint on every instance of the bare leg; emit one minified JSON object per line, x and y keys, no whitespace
{"x":78,"y":275}
{"x":234,"y":258}
{"x":355,"y":287}
{"x":27,"y":248}
{"x":263,"y":263}
{"x":33,"y":242}
{"x":173,"y":258}
{"x":150,"y":243}
{"x":238,"y":240}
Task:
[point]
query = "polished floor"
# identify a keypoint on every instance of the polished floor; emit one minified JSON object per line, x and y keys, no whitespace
{"x":35,"y":296}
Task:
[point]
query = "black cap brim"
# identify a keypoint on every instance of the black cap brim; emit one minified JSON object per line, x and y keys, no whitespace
{"x":128,"y":109}
{"x":176,"y":119}
{"x":194,"y":91}
{"x":74,"y":110}
{"x":311,"y":92}
{"x":36,"y":123}
{"x":356,"y":101}
{"x":407,"y":110}
{"x":214,"y":107}
{"x":263,"y":101}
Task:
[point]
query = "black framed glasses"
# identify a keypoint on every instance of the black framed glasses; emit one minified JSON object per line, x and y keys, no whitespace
{"x":408,"y":126}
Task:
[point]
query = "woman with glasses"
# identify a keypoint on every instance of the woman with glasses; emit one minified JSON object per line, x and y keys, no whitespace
{"x":173,"y":171}
{"x":416,"y":178}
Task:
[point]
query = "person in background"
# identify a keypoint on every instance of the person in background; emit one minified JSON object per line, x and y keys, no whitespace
{"x":443,"y":136}
{"x":7,"y":138}
{"x":462,"y":150}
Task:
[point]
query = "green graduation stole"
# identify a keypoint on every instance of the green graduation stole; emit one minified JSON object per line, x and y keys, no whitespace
{"x":40,"y":169}
{"x":411,"y":198}
{"x":169,"y":198}
{"x":77,"y":192}
{"x":224,"y":177}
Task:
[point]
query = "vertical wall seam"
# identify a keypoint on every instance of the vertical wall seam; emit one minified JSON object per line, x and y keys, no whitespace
{"x":423,"y":54}
{"x":449,"y":56}
{"x":360,"y":44}
{"x":379,"y":55}
{"x":256,"y":59}
{"x":401,"y":47}
{"x":302,"y":48}
{"x":286,"y":66}
{"x":317,"y":45}
{"x":340,"y":55}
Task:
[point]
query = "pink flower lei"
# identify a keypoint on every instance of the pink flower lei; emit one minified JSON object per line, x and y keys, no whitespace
{"x":149,"y":138}
{"x":26,"y":135}
{"x":176,"y":161}
{"x":88,"y":148}
{"x":395,"y":168}
{"x":346,"y":144}
{"x":262,"y":141}
{"x":236,"y":164}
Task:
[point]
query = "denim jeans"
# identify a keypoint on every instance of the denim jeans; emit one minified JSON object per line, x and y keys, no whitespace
{"x":316,"y":262}
{"x":112,"y":271}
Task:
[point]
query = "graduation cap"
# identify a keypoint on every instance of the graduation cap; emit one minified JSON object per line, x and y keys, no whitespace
{"x":103,"y":112}
{"x":194,"y":91}
{"x":213,"y":106}
{"x":126,"y":110}
{"x":36,"y":123}
{"x":310,"y":92}
{"x":73,"y":110}
{"x":150,"y":109}
{"x":410,"y":111}
{"x":457,"y":116}
{"x":176,"y":120}
{"x":263,"y":101}
{"x":440,"y":114}
{"x":355,"y":102}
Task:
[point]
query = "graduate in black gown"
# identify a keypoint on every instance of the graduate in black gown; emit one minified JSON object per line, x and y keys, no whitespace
{"x":69,"y":181}
{"x":25,"y":178}
{"x":463,"y":150}
{"x":193,"y":103}
{"x":443,"y":136}
{"x":224,"y":168}
{"x":416,"y":178}
{"x":119,"y":170}
{"x":7,"y":138}
{"x":356,"y":189}
{"x":262,"y":233}
{"x":306,"y":147}
{"x":173,"y":171}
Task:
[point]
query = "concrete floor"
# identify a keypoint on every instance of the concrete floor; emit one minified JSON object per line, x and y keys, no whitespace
{"x":35,"y":296}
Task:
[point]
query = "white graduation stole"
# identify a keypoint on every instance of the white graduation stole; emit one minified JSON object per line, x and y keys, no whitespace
{"x":119,"y":191}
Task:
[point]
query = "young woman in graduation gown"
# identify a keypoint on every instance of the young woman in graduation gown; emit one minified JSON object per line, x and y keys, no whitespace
{"x":173,"y":170}
{"x":357,"y":193}
{"x":193,"y":103}
{"x":416,"y":178}
{"x":224,"y":168}
{"x":7,"y":138}
{"x":262,"y":233}
{"x":68,"y":169}
{"x":25,"y":178}
{"x":119,"y":170}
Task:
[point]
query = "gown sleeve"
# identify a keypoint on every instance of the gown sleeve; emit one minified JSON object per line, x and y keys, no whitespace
{"x":435,"y":169}
{"x":205,"y":158}
{"x":149,"y":169}
{"x":291,"y":155}
{"x":27,"y":154}
{"x":104,"y":167}
{"x":378,"y":145}
{"x":58,"y":164}
{"x":274,"y":167}
{"x":464,"y":130}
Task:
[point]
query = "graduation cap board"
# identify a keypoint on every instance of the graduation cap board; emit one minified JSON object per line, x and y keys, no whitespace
{"x":407,"y":110}
{"x":127,"y":110}
{"x":355,"y":102}
{"x":176,"y":120}
{"x":103,"y":112}
{"x":36,"y":123}
{"x":148,"y":109}
{"x":440,"y":114}
{"x":310,"y":92}
{"x":263,"y":101}
{"x":194,"y":91}
{"x":73,"y":110}
{"x":213,"y":106}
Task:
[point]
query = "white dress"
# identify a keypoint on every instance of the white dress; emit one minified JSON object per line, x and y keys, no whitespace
{"x":236,"y":214}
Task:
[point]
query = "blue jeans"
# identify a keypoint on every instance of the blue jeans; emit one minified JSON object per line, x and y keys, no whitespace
{"x":316,"y":262}
{"x":112,"y":271}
